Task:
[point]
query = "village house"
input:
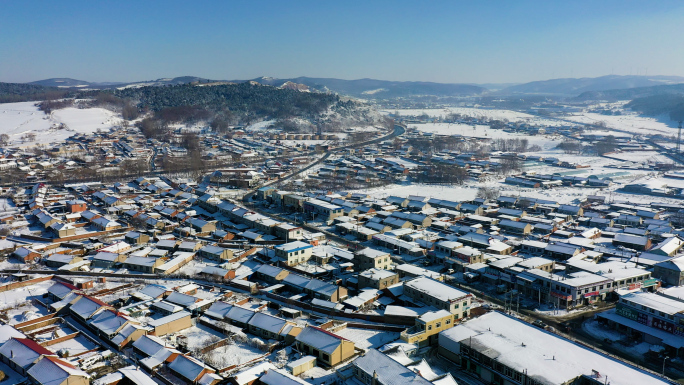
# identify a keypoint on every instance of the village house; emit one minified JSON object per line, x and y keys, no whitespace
{"x":215,"y":253}
{"x":294,"y":253}
{"x":377,"y":278}
{"x":427,"y":327}
{"x":329,"y":349}
{"x":431,"y":292}
{"x":369,"y":258}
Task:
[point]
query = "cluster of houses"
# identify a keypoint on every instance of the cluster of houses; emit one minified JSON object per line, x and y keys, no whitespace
{"x":112,"y":152}
{"x":248,"y":275}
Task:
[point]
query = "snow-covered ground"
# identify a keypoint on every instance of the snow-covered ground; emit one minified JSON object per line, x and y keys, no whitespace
{"x":551,"y":311}
{"x":629,"y":122}
{"x":17,"y":119}
{"x":200,"y":336}
{"x":459,"y":193}
{"x":641,"y":156}
{"x":593,"y":328}
{"x":77,"y":345}
{"x":86,"y":120}
{"x":11,"y":298}
{"x":295,"y":143}
{"x":479,"y":113}
{"x":7,"y":204}
{"x":260,"y":125}
{"x":234,"y":354}
{"x":546,"y":142}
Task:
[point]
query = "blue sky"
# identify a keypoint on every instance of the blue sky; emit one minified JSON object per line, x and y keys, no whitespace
{"x":442,"y":41}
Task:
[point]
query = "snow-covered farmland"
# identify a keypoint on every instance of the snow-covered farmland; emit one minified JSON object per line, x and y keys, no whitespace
{"x":641,"y":156}
{"x":479,"y":113}
{"x":17,"y":119}
{"x":630,"y":122}
{"x":546,"y":142}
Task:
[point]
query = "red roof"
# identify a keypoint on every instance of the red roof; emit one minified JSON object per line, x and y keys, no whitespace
{"x":33,"y":345}
{"x":70,"y":286}
{"x":97,"y":301}
{"x":60,"y":362}
{"x":329,"y":333}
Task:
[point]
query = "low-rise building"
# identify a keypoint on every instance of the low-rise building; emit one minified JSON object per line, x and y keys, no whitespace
{"x":369,"y":258}
{"x":505,"y":350}
{"x":377,"y":278}
{"x":329,"y":349}
{"x":171,"y":323}
{"x":427,"y":327}
{"x":430,"y":292}
{"x":294,"y":253}
{"x":215,"y":253}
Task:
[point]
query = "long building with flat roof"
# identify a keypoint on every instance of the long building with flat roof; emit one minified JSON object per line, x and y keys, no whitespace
{"x":502,"y":349}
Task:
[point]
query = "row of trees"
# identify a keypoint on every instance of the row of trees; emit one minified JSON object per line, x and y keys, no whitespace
{"x":513,"y":145}
{"x":48,"y":106}
{"x":571,"y":146}
{"x":441,"y":173}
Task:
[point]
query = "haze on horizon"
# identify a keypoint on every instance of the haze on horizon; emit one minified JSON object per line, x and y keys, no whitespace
{"x":450,"y":42}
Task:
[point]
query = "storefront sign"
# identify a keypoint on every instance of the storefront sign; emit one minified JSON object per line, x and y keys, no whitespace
{"x":663,"y":325}
{"x":642,"y":318}
{"x":626,"y":312}
{"x":561,"y":296}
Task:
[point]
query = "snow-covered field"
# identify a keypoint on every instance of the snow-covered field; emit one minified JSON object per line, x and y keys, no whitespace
{"x":546,"y":142}
{"x":17,"y":119}
{"x":641,"y":156}
{"x":630,"y":122}
{"x":479,"y":113}
{"x":86,"y":120}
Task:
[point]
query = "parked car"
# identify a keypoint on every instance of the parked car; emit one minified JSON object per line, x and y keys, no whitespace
{"x":540,"y":324}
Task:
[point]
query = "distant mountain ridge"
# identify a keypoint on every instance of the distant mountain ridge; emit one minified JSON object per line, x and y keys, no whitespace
{"x":71,"y":83}
{"x":372,"y":88}
{"x":362,"y":88}
{"x":576,"y":86}
{"x":632,"y":93}
{"x":603,"y":87}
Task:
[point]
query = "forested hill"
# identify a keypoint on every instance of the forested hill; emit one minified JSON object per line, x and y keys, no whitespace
{"x":652,"y":101}
{"x":632,"y":93}
{"x":20,"y":92}
{"x":238,"y":98}
{"x":670,"y":104}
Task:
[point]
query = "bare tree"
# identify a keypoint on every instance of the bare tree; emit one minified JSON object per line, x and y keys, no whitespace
{"x":488,"y":193}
